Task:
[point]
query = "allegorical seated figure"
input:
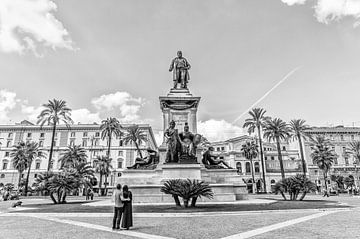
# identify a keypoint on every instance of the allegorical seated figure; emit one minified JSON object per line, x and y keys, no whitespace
{"x":144,"y":163}
{"x":187,"y":142}
{"x":212,"y":161}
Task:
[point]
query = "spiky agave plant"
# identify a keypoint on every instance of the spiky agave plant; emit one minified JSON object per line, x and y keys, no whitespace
{"x":172,"y":187}
{"x":193,"y":189}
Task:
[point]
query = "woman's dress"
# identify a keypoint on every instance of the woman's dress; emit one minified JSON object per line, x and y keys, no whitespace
{"x":127,"y":214}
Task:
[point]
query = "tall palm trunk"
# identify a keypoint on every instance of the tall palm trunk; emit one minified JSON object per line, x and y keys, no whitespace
{"x":19,"y":180}
{"x":302,"y":154}
{"x":108,"y":151}
{"x":280,"y":158}
{"x":105,"y":184}
{"x":100,"y":185}
{"x":138,"y":149}
{"x":27,"y":179}
{"x":252,"y":176}
{"x":325,"y":179}
{"x":262,"y":158}
{"x":51,"y":146}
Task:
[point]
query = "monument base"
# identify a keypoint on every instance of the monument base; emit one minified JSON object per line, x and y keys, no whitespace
{"x":146,"y":184}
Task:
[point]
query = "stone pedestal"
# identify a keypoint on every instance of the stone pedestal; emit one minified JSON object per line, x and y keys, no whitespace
{"x":181,"y":106}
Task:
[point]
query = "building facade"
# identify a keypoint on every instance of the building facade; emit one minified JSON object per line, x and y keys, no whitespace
{"x":86,"y":135}
{"x":345,"y":165}
{"x":230,"y":151}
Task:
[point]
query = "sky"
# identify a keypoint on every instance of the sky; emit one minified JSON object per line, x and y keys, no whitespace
{"x":111,"y":58}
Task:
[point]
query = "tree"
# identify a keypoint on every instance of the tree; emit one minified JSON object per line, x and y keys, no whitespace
{"x":19,"y":159}
{"x":322,"y":155}
{"x":257,"y":121}
{"x":109,"y":127}
{"x":103,"y":167}
{"x":338,"y":179}
{"x":294,"y":186}
{"x":73,"y":156}
{"x":298,"y":130}
{"x":354,"y":150}
{"x":277,"y":130}
{"x":55,"y":112}
{"x":136,"y":135}
{"x":187,"y":189}
{"x":58,"y":185}
{"x":33,"y":152}
{"x":251,"y":151}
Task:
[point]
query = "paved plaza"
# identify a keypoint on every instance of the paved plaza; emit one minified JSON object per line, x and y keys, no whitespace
{"x":293,"y":223}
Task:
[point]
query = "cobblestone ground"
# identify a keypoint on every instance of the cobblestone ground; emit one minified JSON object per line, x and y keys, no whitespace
{"x":328,"y":223}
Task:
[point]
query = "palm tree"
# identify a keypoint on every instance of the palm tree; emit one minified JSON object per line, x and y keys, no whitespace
{"x":251,"y":151}
{"x":109,"y":127}
{"x":256,"y":122}
{"x":277,"y":130}
{"x":354,"y":150}
{"x":322,"y":155}
{"x":72,"y":156}
{"x":298,"y":129}
{"x":103,"y":167}
{"x":33,"y":151}
{"x":19,"y":159}
{"x":136,"y":135}
{"x":55,"y":111}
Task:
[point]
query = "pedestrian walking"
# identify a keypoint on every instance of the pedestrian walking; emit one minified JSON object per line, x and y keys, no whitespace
{"x":127,"y":220}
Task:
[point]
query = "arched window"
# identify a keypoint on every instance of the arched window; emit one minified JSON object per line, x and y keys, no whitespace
{"x":257,"y":167}
{"x":120,"y":163}
{"x":247,"y":167}
{"x":238,"y":167}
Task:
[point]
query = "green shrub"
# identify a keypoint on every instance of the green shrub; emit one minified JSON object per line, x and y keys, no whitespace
{"x":294,"y":186}
{"x":188,"y":190}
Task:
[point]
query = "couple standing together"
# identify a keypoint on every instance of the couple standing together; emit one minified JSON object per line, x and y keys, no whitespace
{"x":123,"y":208}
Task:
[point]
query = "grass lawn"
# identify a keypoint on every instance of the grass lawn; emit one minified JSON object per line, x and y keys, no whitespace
{"x":77,"y":207}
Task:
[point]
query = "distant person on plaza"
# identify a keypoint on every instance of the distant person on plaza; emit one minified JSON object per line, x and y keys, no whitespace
{"x":210,"y":159}
{"x":119,"y":206}
{"x":326,"y":192}
{"x":127,"y":220}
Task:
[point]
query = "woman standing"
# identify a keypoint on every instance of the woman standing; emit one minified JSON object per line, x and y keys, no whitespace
{"x":127,"y":221}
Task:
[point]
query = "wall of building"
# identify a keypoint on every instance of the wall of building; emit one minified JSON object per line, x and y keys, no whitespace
{"x":86,"y":135}
{"x":340,"y":137}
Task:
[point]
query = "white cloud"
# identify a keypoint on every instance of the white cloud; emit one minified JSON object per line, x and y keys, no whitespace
{"x":293,"y":2}
{"x":85,"y":116}
{"x":26,"y":22}
{"x":333,"y":10}
{"x":30,"y":111}
{"x":218,"y":130}
{"x":127,"y":105}
{"x":8,"y":102}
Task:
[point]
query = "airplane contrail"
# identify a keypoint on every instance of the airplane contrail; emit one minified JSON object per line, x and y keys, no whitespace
{"x":267,"y":93}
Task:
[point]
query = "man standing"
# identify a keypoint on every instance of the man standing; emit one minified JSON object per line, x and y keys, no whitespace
{"x":180,"y":67}
{"x":119,"y":207}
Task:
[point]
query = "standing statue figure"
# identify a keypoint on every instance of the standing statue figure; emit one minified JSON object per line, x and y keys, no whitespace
{"x":180,"y":67}
{"x":187,"y":142}
{"x":173,"y":144}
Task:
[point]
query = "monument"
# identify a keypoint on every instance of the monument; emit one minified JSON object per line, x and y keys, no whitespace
{"x":181,"y":152}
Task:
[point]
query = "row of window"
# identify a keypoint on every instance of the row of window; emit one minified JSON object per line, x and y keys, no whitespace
{"x":248,"y":167}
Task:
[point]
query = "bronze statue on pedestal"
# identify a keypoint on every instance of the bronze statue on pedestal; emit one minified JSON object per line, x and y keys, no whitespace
{"x":180,"y":68}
